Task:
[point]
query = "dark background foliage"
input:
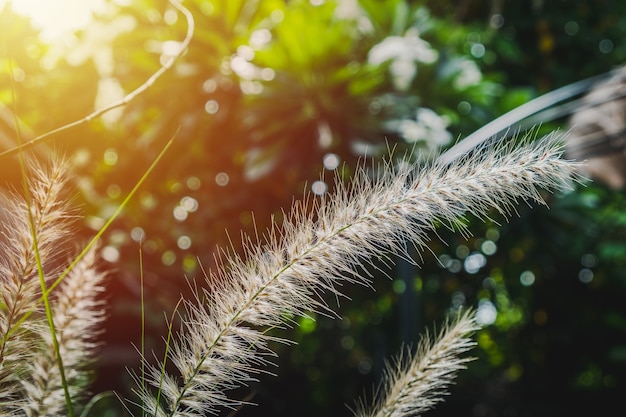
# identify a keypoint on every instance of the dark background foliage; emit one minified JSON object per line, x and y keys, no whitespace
{"x":271,"y":93}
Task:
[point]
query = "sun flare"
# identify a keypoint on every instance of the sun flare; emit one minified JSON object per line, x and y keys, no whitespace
{"x":55,"y":18}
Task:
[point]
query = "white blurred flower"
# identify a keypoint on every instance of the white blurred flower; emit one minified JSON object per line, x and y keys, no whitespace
{"x":427,"y":126}
{"x":404,"y":52}
{"x":468,"y":76}
{"x":403,"y":72}
{"x":463,"y":73}
{"x":409,"y":47}
{"x":348,"y":9}
{"x":486,"y":313}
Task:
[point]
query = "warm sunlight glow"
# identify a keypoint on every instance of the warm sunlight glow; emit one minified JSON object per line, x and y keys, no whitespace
{"x":56,"y":17}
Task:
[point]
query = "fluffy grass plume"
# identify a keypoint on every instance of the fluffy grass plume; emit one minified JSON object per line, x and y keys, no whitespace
{"x":30,"y":377}
{"x":223,"y":339}
{"x":415,"y":383}
{"x":19,"y":285}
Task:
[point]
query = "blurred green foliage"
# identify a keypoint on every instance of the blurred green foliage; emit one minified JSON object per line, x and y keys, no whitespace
{"x":270,"y":94}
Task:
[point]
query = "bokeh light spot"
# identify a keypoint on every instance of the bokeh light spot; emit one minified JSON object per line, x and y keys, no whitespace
{"x":589,"y":260}
{"x":184,"y":242}
{"x":174,"y":187}
{"x":585,"y":275}
{"x":375,"y":107}
{"x":114,"y":191}
{"x":474,"y":262}
{"x":242,"y":67}
{"x":222,"y":179}
{"x":193,"y":183}
{"x":207,"y":8}
{"x":399,"y":286}
{"x":189,"y":263}
{"x":110,"y":254}
{"x":365,"y":366}
{"x":458,"y":299}
{"x":211,"y":106}
{"x":251,"y":87}
{"x":477,"y":50}
{"x":209,"y":86}
{"x":571,"y":28}
{"x":277,"y":16}
{"x":267,"y":74}
{"x":150,"y":246}
{"x":137,"y":234}
{"x":168,"y":258}
{"x":489,"y":283}
{"x":445,"y":260}
{"x":464,"y":107}
{"x":245,"y":52}
{"x":110,"y":157}
{"x":307,"y":324}
{"x":462,"y":251}
{"x":319,"y":187}
{"x":496,"y":21}
{"x":81,"y":157}
{"x":492,"y":234}
{"x":189,"y":203}
{"x":455,"y":266}
{"x":527,"y":278}
{"x":347,"y":342}
{"x":180,"y":213}
{"x":605,"y":46}
{"x":260,"y":38}
{"x":488,"y":247}
{"x":486,"y":313}
{"x":148,"y":201}
{"x":331,"y":161}
{"x":170,"y":17}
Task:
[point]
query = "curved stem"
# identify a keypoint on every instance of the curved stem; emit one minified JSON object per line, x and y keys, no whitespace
{"x":125,"y":100}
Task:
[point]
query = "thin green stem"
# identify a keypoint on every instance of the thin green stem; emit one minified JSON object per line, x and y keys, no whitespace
{"x":143,"y":317}
{"x":40,"y":271}
{"x":143,"y":320}
{"x":94,"y":400}
{"x":165,"y":356}
{"x":99,"y":234}
{"x":21,"y":147}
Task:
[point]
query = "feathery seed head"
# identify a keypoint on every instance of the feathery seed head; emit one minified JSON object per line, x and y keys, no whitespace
{"x":224,"y":342}
{"x":415,"y":383}
{"x":30,"y":374}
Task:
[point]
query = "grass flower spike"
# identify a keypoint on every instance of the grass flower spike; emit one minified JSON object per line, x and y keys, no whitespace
{"x":417,"y":382}
{"x":78,"y":314}
{"x":19,"y":286}
{"x":30,"y":377}
{"x":223,"y":342}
